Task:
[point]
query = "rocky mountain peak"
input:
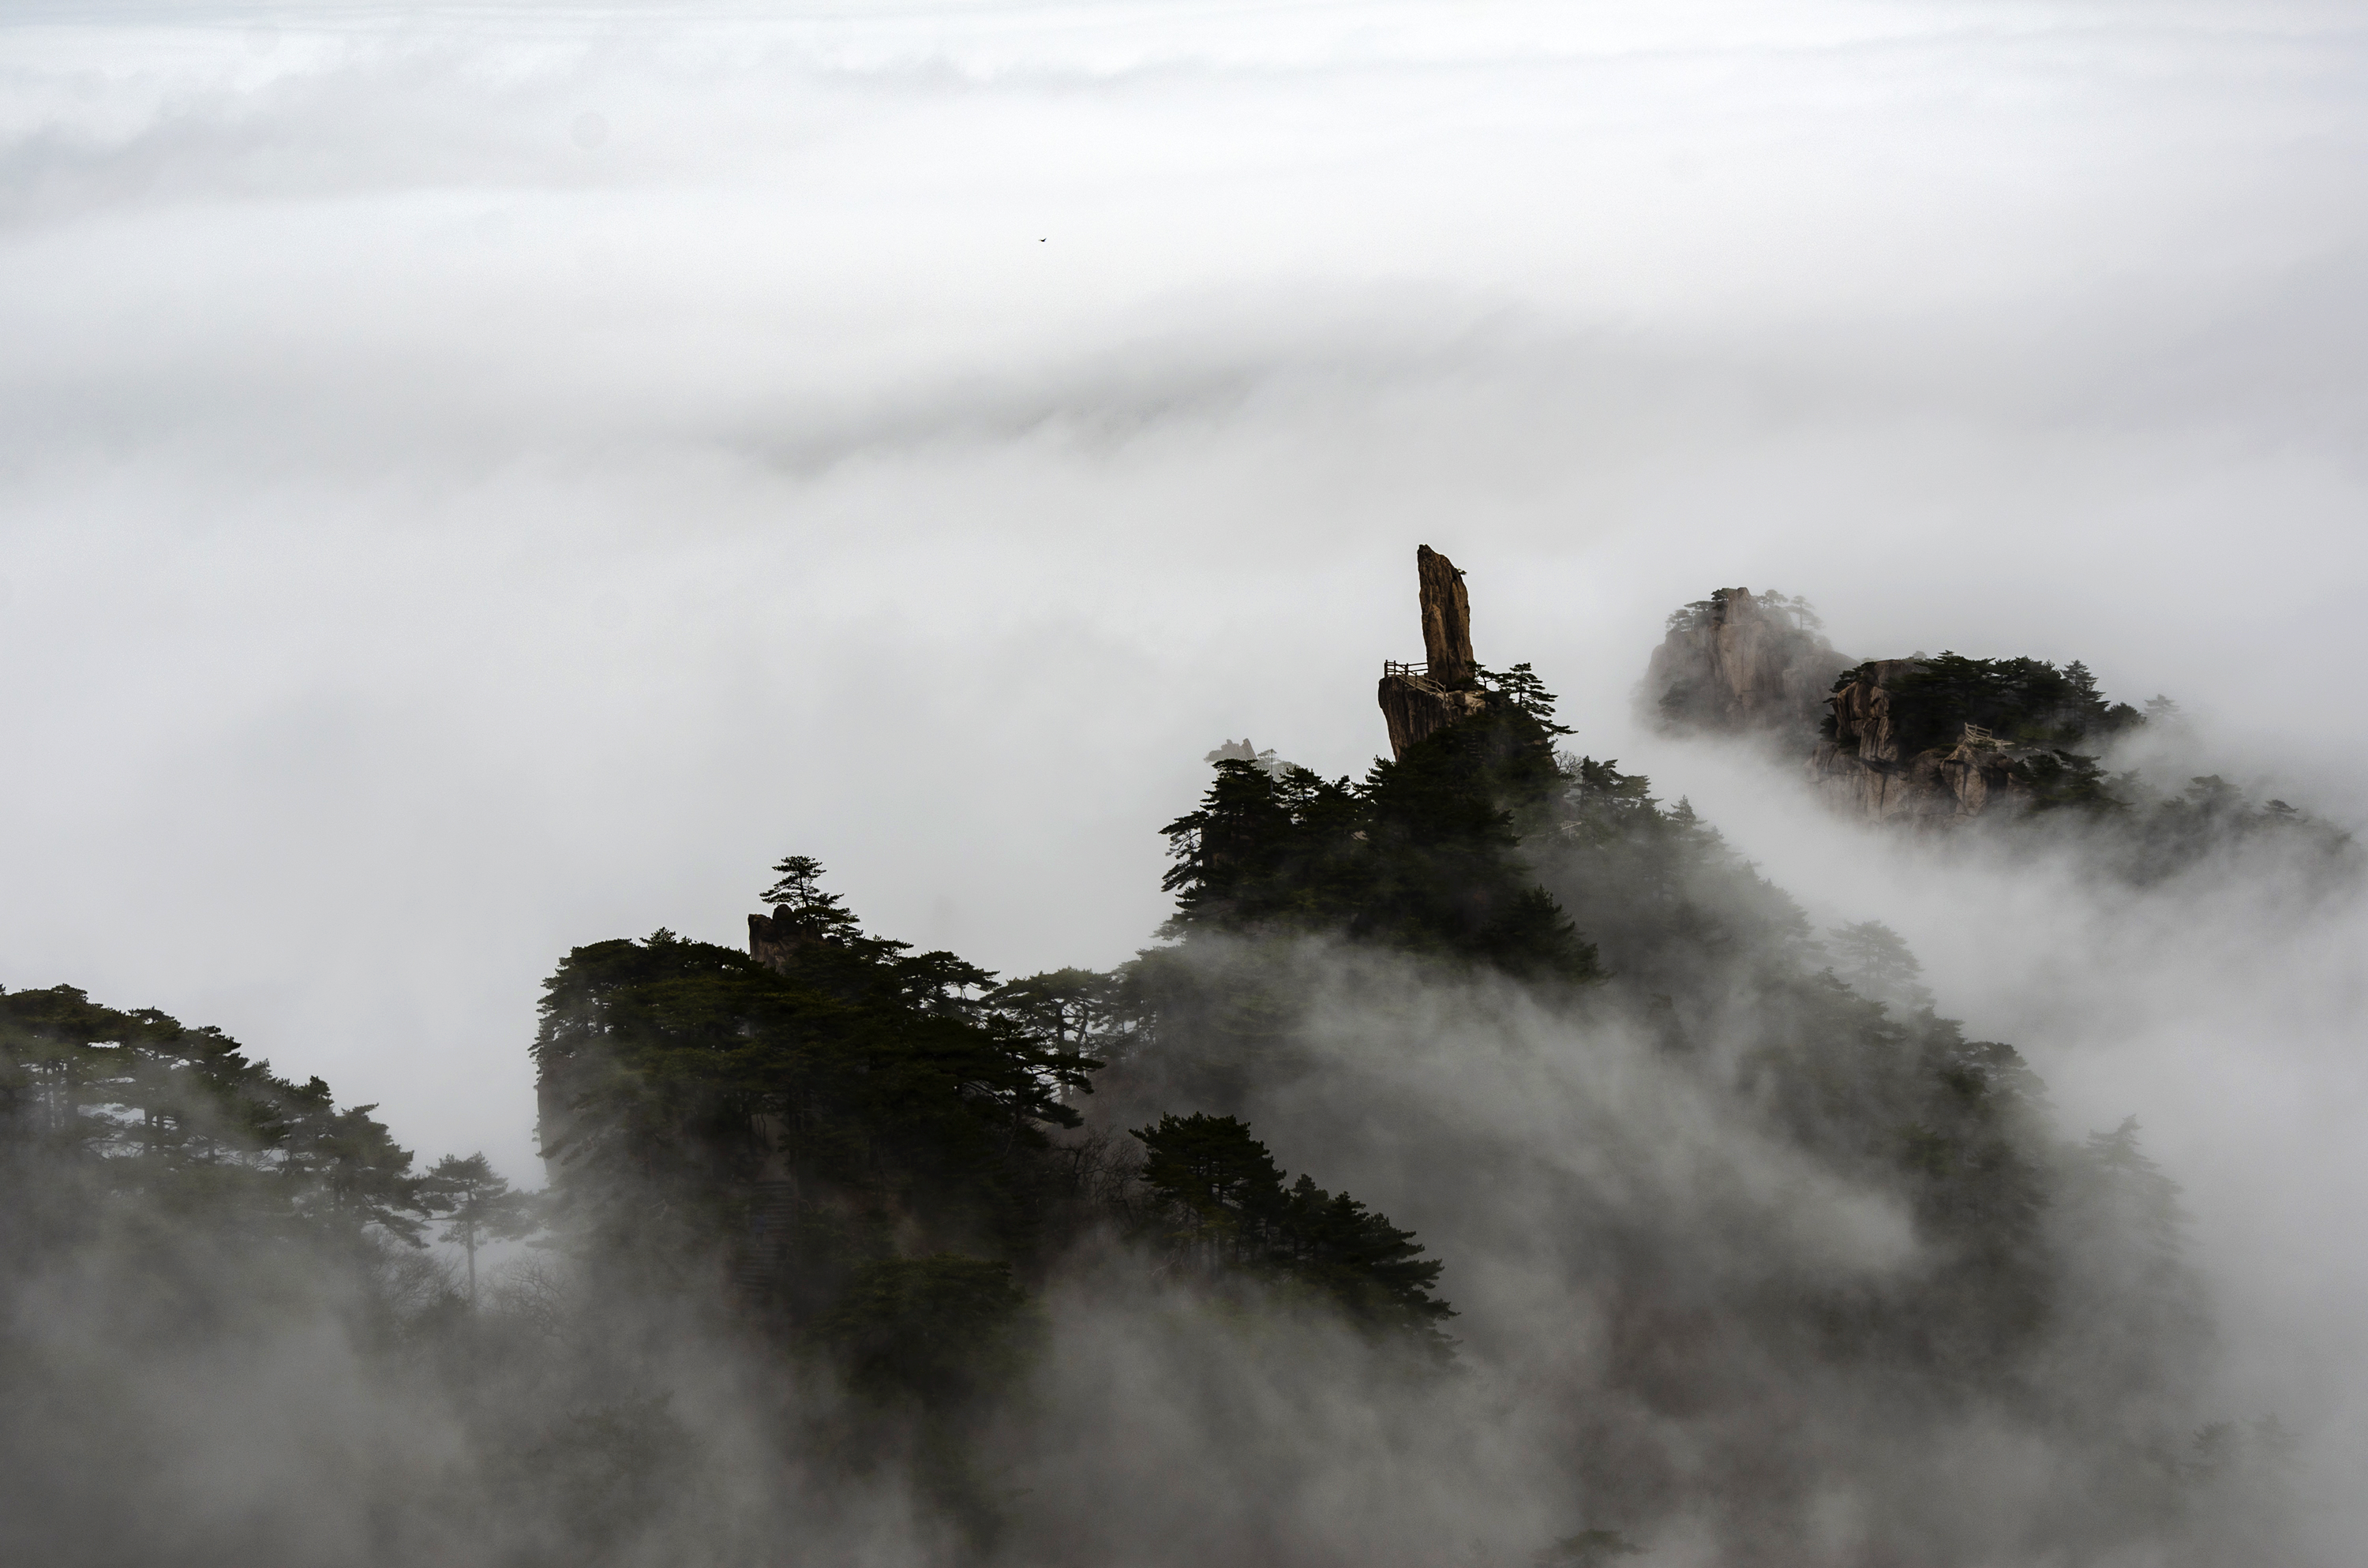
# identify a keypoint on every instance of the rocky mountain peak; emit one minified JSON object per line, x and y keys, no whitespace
{"x":1929,"y":740}
{"x":1739,"y":663}
{"x":1419,"y":699}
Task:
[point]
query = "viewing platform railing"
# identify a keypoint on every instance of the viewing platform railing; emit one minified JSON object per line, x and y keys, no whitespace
{"x":1391,"y":667}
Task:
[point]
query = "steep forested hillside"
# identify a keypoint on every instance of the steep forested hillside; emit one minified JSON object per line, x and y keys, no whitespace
{"x":1679,"y":1228}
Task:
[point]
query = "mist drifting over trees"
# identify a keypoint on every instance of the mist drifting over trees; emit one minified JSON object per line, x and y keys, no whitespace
{"x":1680,"y":1229}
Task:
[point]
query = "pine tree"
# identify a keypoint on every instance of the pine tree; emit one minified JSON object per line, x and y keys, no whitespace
{"x":478,"y":1206}
{"x":1876,"y":962}
{"x":798,"y":888}
{"x":1219,"y":1199}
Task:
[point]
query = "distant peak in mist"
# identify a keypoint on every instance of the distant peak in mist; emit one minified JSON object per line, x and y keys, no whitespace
{"x":1946,"y":741}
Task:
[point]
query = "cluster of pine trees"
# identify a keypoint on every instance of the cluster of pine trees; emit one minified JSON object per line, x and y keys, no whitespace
{"x":135,"y":1117}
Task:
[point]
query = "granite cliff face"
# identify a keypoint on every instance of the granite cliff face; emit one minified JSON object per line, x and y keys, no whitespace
{"x":1863,"y":767}
{"x":1737,"y":665}
{"x":1417,"y":700}
{"x":1927,"y":740}
{"x":775,"y":938}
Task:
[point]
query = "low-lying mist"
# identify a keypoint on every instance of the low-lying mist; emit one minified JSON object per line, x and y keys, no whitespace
{"x":2221,"y":1008}
{"x":1753,"y":1256}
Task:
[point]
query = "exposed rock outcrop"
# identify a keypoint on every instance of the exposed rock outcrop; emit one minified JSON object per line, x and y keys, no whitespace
{"x":1911,"y":738}
{"x":1892,"y":740}
{"x":772,"y":939}
{"x":1739,"y":665}
{"x":1932,"y":788}
{"x":1419,"y":699}
{"x":1863,"y":724}
{"x":1414,"y":706}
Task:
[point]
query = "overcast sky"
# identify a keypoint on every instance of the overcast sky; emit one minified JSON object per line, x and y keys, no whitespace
{"x":476,"y":481}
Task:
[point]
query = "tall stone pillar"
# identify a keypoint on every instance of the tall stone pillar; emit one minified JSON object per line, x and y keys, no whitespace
{"x":1418,"y":703}
{"x":1446,"y":616}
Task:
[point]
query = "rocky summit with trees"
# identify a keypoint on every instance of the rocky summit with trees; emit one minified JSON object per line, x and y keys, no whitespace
{"x":2027,"y":756}
{"x":1681,"y":1230}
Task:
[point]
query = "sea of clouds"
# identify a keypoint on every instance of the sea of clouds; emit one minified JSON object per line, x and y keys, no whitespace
{"x":479,"y":480}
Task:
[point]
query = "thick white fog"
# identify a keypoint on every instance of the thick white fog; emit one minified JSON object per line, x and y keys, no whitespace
{"x":478,"y":480}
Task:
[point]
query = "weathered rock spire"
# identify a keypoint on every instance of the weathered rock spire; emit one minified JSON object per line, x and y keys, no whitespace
{"x":1446,"y":616}
{"x":1419,"y":699}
